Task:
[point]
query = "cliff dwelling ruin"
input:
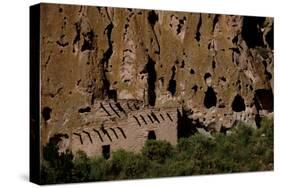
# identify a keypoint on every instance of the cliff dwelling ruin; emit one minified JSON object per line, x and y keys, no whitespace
{"x":112,"y":78}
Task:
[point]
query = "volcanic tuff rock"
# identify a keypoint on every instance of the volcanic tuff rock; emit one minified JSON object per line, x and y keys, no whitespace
{"x":102,"y":69}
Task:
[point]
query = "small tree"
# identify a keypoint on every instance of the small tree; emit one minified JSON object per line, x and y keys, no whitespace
{"x":158,"y":151}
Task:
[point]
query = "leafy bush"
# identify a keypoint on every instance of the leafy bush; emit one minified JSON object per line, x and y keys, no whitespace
{"x":56,"y":168}
{"x":82,"y":167}
{"x":98,"y":169}
{"x":157,"y":151}
{"x":197,"y":146}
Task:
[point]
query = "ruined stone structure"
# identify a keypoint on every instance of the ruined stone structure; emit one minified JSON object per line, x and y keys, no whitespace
{"x":112,"y":78}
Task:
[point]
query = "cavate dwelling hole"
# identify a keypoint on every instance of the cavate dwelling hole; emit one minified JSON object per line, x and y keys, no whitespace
{"x":88,"y":41}
{"x":112,"y":94}
{"x":208,"y":79}
{"x":238,"y":104}
{"x":213,"y":64}
{"x":182,"y":64}
{"x":83,"y":110}
{"x":215,"y":21}
{"x":207,"y":75}
{"x":195,"y":88}
{"x":222,"y":78}
{"x":151,"y":135}
{"x":46,"y":113}
{"x":198,"y":34}
{"x":251,"y":32}
{"x":106,"y":151}
{"x":172,"y":83}
{"x":151,"y":79}
{"x":263,"y":99}
{"x":210,"y":98}
{"x":235,"y":39}
{"x":57,"y":138}
{"x":152,"y":17}
{"x":192,"y":71}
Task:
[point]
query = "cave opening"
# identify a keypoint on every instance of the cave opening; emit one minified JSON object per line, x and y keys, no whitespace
{"x":198,"y":34}
{"x":215,"y":21}
{"x":195,"y":88}
{"x":83,"y":110}
{"x":172,"y":87}
{"x":151,"y":79}
{"x":263,"y":99}
{"x":57,"y":138}
{"x":207,"y":75}
{"x":172,"y":82}
{"x":152,"y":17}
{"x":151,"y":135}
{"x":88,"y":41}
{"x":112,"y":94}
{"x":213,"y":64}
{"x":106,"y":151}
{"x":251,"y":32}
{"x":210,"y":98}
{"x":238,"y":104}
{"x":192,"y":71}
{"x":46,"y":113}
{"x":105,"y":59}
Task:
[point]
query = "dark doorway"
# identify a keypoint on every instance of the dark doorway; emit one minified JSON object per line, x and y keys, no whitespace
{"x":46,"y":113}
{"x":112,"y":94}
{"x":210,"y":98}
{"x":151,"y":135}
{"x":172,"y":83}
{"x":263,"y":99}
{"x":151,"y":79}
{"x":106,"y":151}
{"x":251,"y":32}
{"x":238,"y":104}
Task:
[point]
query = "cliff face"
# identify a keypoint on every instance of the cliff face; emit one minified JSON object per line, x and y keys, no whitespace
{"x":219,"y":68}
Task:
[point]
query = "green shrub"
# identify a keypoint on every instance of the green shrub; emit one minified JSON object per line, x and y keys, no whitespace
{"x":50,"y":153}
{"x":157,"y":151}
{"x":196,"y":146}
{"x":82,"y":167}
{"x":98,"y":169}
{"x":56,"y":168}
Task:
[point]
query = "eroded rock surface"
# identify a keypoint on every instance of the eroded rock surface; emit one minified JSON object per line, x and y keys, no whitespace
{"x":112,"y":78}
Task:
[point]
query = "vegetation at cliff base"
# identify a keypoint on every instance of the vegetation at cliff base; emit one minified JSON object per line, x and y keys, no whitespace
{"x":244,"y":149}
